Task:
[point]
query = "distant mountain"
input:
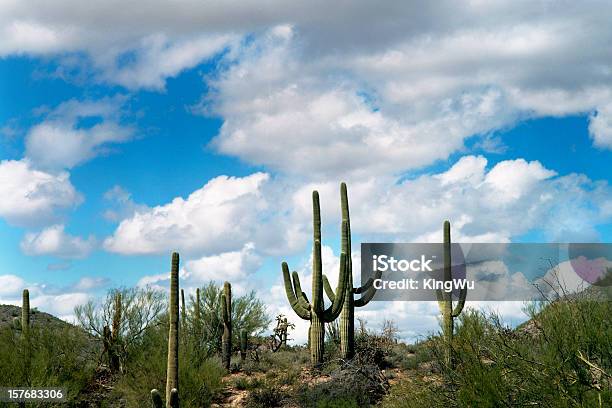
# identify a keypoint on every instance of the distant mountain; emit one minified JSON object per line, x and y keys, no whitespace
{"x":37,"y":318}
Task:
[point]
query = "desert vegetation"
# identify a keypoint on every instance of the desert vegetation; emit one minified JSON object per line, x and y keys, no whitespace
{"x":142,"y":347}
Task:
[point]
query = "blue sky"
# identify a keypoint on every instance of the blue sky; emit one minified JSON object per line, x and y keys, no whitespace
{"x":205,"y":132}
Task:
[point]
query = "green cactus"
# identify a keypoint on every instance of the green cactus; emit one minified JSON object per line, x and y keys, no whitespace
{"x":183,"y":311}
{"x":25,"y":314}
{"x":172,"y":383}
{"x":157,"y":399}
{"x":226,"y":311}
{"x":367,"y":291}
{"x":197,"y":312}
{"x":445,"y":300}
{"x":315,"y":310}
{"x":17,"y":323}
{"x":173,"y":335}
{"x":243,"y":345}
{"x":112,"y":337}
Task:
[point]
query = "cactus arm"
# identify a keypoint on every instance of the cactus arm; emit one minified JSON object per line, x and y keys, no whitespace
{"x":293,"y":300}
{"x":156,"y":399}
{"x":336,"y":307}
{"x":459,"y":306}
{"x":365,"y":298}
{"x":301,"y":296}
{"x":328,"y":289}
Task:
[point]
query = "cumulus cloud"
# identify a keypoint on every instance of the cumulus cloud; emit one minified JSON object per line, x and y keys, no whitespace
{"x":221,"y":216}
{"x":237,"y":267}
{"x":55,"y":241}
{"x":33,"y":197}
{"x":63,"y":141}
{"x":59,"y":302}
{"x":122,"y":204}
{"x":600,"y":126}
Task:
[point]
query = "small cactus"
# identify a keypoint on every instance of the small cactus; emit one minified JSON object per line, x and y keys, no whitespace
{"x":243,"y":345}
{"x":157,"y":399}
{"x":226,"y":311}
{"x":315,"y":310}
{"x":445,"y":300}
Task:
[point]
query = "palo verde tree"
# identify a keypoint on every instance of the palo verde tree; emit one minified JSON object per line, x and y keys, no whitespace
{"x":315,"y":310}
{"x":367,"y":291}
{"x":121,"y":320}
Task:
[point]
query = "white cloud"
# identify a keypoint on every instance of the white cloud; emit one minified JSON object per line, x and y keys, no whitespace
{"x":58,"y":302}
{"x":61,"y":142}
{"x":55,"y":241}
{"x":221,"y":216}
{"x":600,"y":126}
{"x":233,"y":266}
{"x":122,"y":204}
{"x":33,"y":197}
{"x":159,"y":58}
{"x":11,"y":285}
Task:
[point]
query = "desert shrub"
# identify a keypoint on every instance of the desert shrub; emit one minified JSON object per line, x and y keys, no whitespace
{"x":59,"y":356}
{"x":248,"y":313}
{"x":355,"y":384}
{"x":561,"y":358}
{"x":267,"y":396}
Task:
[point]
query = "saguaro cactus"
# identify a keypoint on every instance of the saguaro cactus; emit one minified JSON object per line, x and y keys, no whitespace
{"x":25,"y":313}
{"x":445,"y":299}
{"x":196,"y":312}
{"x":315,"y":310}
{"x":243,"y":345}
{"x":172,"y":384}
{"x":367,"y":291}
{"x":183,"y":310}
{"x":226,"y":310}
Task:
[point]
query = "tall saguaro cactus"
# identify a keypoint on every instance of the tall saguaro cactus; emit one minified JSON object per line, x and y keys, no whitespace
{"x":315,"y":310}
{"x":367,"y":290}
{"x":226,"y":310}
{"x":445,"y":299}
{"x":172,"y":383}
{"x":25,"y":314}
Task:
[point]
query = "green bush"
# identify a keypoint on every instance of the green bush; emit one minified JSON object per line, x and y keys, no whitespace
{"x":59,"y":356}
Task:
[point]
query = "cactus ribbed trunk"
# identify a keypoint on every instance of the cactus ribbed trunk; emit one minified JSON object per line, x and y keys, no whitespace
{"x":347,"y":328}
{"x":447,"y":305}
{"x":113,"y":345}
{"x":243,"y":345}
{"x":226,"y":343}
{"x":183,"y":311}
{"x":25,"y":314}
{"x":173,"y":335}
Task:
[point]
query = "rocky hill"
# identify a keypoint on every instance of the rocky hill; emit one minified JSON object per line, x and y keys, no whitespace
{"x":37,"y":318}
